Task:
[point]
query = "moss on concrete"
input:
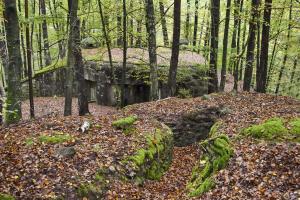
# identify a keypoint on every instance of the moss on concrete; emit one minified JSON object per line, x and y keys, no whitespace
{"x":152,"y":161}
{"x":217,"y":152}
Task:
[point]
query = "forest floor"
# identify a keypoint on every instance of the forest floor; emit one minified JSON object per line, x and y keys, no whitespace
{"x":257,"y":170}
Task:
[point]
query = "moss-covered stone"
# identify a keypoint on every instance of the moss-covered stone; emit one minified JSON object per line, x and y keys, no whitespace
{"x":217,"y":154}
{"x":96,"y":189}
{"x":295,"y":126}
{"x":6,"y":197}
{"x":152,"y":161}
{"x":56,"y":138}
{"x":271,"y":129}
{"x":124,"y":123}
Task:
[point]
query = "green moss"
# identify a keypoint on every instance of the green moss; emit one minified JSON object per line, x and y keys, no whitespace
{"x":204,"y":187}
{"x":271,"y":129}
{"x":6,"y":197}
{"x":57,"y":65}
{"x":295,"y":126}
{"x":124,"y":123}
{"x":214,"y":130}
{"x":29,"y":141}
{"x":217,"y":154}
{"x":139,"y":157}
{"x":55,"y":139}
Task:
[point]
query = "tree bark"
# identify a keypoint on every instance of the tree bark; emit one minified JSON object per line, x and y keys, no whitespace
{"x":24,"y":70}
{"x":195,"y":23}
{"x":175,"y":48}
{"x":215,"y":20}
{"x":29,"y":65}
{"x":163,"y":23}
{"x":225,"y":45}
{"x":251,"y":46}
{"x":151,"y":32}
{"x":261,"y":72}
{"x":12,"y":110}
{"x":124,"y":100}
{"x":82,"y":87}
{"x":119,"y":27}
{"x":187,"y":22}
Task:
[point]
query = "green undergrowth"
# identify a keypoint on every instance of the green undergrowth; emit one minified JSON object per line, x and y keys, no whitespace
{"x":58,"y":137}
{"x":275,"y":129}
{"x":125,"y":124}
{"x":152,"y":161}
{"x":6,"y":197}
{"x":217,"y":152}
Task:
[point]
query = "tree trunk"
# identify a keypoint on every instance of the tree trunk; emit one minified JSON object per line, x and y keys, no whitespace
{"x":261,"y":72}
{"x":28,"y":53}
{"x":24,"y":74}
{"x":215,"y":20}
{"x":251,"y":46}
{"x":119,"y":27}
{"x":151,"y":31}
{"x":107,"y":41}
{"x":131,"y":36}
{"x":139,"y":31}
{"x":234,"y":45}
{"x":195,"y":23}
{"x":45,"y":34}
{"x":202,"y":28}
{"x":187,"y":22}
{"x":124,"y":100}
{"x":73,"y":7}
{"x":242,"y":57}
{"x":163,"y":23}
{"x":225,"y":44}
{"x":285,"y":49}
{"x":12,"y":110}
{"x":82,"y":87}
{"x":2,"y":96}
{"x":175,"y":48}
{"x":238,"y":50}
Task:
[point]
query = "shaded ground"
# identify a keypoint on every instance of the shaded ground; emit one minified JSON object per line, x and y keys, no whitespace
{"x":54,"y":106}
{"x":137,"y":55}
{"x":258,"y":170}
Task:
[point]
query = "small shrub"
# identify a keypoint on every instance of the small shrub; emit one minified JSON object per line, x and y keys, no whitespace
{"x":184,"y":93}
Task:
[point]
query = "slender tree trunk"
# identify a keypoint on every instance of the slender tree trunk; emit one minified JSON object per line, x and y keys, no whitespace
{"x":195,"y":23}
{"x":45,"y":34}
{"x":215,"y":20}
{"x":150,"y":24}
{"x":242,"y":57}
{"x":273,"y":54}
{"x":139,"y":31}
{"x":175,"y":48}
{"x":131,"y":26}
{"x":261,"y":72}
{"x":238,"y":50}
{"x":123,"y":95}
{"x":28,"y":51}
{"x":4,"y":61}
{"x":234,"y":45}
{"x":285,"y":49}
{"x":202,"y":28}
{"x":24,"y":74}
{"x":187,"y":22}
{"x":294,"y":69}
{"x":2,"y":96}
{"x":163,"y":23}
{"x":119,"y":27}
{"x":12,"y":110}
{"x":107,"y":41}
{"x":225,"y":45}
{"x":251,"y":46}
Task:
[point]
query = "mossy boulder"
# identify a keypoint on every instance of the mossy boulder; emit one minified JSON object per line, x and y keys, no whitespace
{"x":97,"y":188}
{"x":6,"y":197}
{"x":217,"y":152}
{"x":153,"y":160}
